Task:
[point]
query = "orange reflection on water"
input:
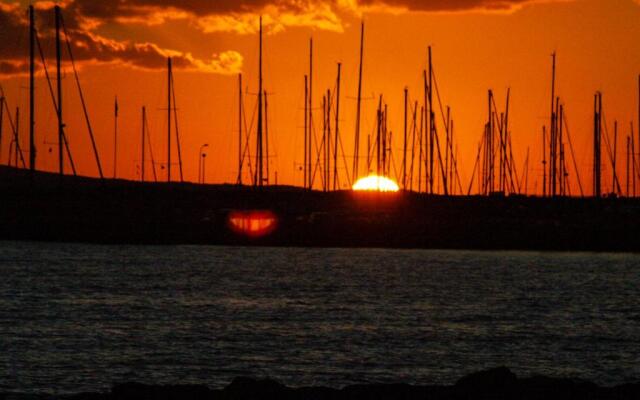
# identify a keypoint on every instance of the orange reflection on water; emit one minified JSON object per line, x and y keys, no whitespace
{"x":252,"y":223}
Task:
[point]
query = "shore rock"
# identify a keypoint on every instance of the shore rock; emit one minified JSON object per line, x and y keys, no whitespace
{"x":497,"y":383}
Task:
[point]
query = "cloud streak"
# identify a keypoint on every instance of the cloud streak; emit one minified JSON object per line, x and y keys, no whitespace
{"x":446,"y":5}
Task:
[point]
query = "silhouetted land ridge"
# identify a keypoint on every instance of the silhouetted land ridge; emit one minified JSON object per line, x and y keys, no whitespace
{"x":498,"y":383}
{"x":50,"y":208}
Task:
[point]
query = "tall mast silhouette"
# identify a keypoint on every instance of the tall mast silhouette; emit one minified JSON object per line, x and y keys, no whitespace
{"x":404,"y":146}
{"x":169,"y":119}
{"x":552,"y":130}
{"x":310,"y":172}
{"x":356,"y":144}
{"x":59,"y":87}
{"x":239,"y":180}
{"x":337,"y":129}
{"x":144,"y":117}
{"x":115,"y":138}
{"x":32,"y":39}
{"x":597,"y":137}
{"x":259,"y":171}
{"x":306,"y":102}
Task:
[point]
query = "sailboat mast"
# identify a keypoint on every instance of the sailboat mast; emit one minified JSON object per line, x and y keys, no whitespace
{"x":169,"y":119}
{"x":115,"y":138}
{"x":425,"y":117}
{"x":59,"y":87}
{"x":385,"y":136}
{"x":259,"y":137}
{"x":337,"y":129}
{"x":266,"y":135}
{"x":633,"y":162}
{"x":404,"y":149}
{"x":561,"y":165}
{"x":325,"y":182}
{"x":32,"y":39}
{"x":447,"y":144}
{"x":306,"y":102}
{"x":310,"y":119}
{"x":378,"y":141}
{"x":431,"y":122}
{"x":356,"y":144}
{"x":544,"y":161}
{"x":144,"y":118}
{"x":552,"y":128}
{"x":628,"y":174}
{"x":239,"y":180}
{"x":328,"y":142}
{"x":16,"y":148}
{"x":614,"y":160}
{"x":597,"y":126}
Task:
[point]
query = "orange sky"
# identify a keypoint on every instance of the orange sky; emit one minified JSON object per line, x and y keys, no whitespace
{"x":477,"y":45}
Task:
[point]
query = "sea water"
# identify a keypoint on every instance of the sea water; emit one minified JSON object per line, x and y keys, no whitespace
{"x":76,"y":317}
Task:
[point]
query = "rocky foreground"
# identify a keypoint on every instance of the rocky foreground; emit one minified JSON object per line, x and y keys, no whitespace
{"x":499,"y":383}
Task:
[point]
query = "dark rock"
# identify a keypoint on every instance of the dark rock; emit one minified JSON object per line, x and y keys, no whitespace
{"x":138,"y":391}
{"x":494,"y":381}
{"x":317,"y":393}
{"x":249,"y":388}
{"x":498,"y":383}
{"x":542,"y":387}
{"x":381,"y":392}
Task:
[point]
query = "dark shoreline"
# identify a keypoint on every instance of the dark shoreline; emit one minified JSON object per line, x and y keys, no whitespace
{"x":497,"y":383}
{"x":47,"y":207}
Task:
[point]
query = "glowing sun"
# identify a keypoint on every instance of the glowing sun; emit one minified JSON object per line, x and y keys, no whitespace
{"x":376,"y":183}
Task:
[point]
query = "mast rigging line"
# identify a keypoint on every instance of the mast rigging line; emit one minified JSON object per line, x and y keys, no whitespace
{"x":573,"y":156}
{"x":175,"y":119}
{"x":505,"y":143}
{"x":475,"y":167}
{"x":53,"y":99}
{"x":148,"y":134}
{"x":13,"y":128}
{"x":445,"y":182}
{"x":84,"y":106}
{"x":246,"y":152}
{"x":616,"y":183}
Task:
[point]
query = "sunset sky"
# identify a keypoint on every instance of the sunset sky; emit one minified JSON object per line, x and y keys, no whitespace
{"x":477,"y":45}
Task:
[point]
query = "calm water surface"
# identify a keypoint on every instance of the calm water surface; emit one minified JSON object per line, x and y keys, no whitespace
{"x":81,"y":317}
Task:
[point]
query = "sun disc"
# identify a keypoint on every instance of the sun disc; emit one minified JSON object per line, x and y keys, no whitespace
{"x":376,"y":183}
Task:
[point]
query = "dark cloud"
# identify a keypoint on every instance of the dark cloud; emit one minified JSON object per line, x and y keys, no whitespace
{"x":134,"y":9}
{"x":13,"y":68}
{"x":83,"y":17}
{"x":129,"y":8}
{"x":239,"y":16}
{"x":89,"y":47}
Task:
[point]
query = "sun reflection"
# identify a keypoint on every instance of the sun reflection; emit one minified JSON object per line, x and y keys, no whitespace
{"x":252,"y":223}
{"x":376,"y":183}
